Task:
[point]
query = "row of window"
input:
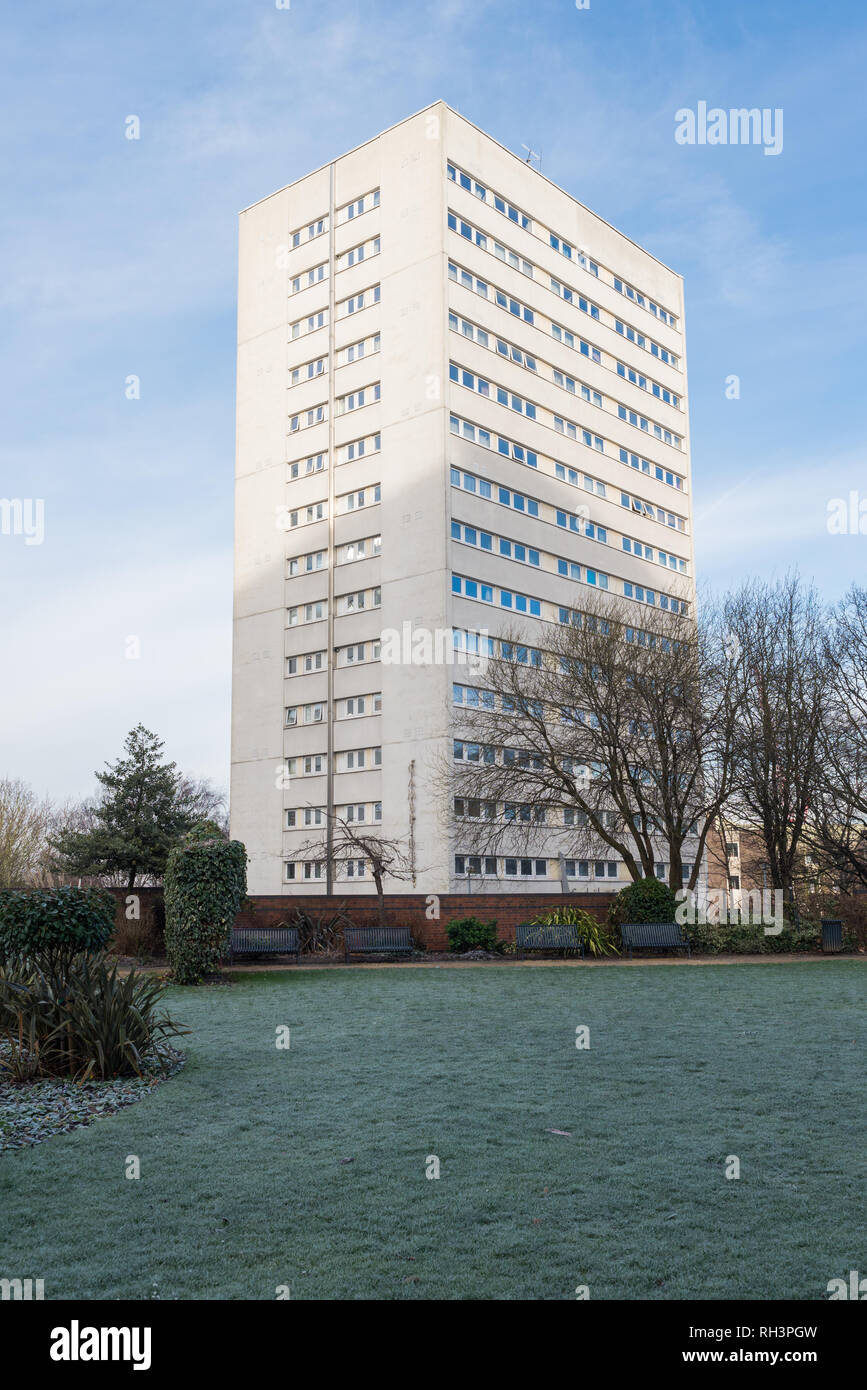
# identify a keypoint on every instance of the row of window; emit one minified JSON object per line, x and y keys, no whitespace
{"x":306,"y":419}
{"x":356,"y":400}
{"x":356,"y":254}
{"x":357,"y":207}
{"x":311,"y":323}
{"x":347,"y":453}
{"x":526,"y":555}
{"x":352,"y":760}
{"x":644,"y":595}
{"x":319,"y":226}
{"x":461,"y":376}
{"x":557,"y":243}
{"x":495,"y":866}
{"x":648,"y":384}
{"x":563,"y":291}
{"x":633,"y":417}
{"x":475,"y":434}
{"x":316,"y":274}
{"x":353,"y":707}
{"x":652,"y":470}
{"x":655,"y":349}
{"x":645,"y":303}
{"x":659,"y":557}
{"x":355,"y":813}
{"x":485,"y":593}
{"x":311,"y":871}
{"x":560,"y":334}
{"x":358,"y":654}
{"x":531,"y":506}
{"x":308,"y":371}
{"x":358,"y":601}
{"x":354,"y":352}
{"x":577,"y":523}
{"x":467,"y":587}
{"x":365,"y":549}
{"x":528,"y":362}
{"x":347,"y":502}
{"x":481,"y":191}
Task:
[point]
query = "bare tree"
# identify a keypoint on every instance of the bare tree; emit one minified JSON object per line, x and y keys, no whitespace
{"x":777,"y":639}
{"x":25,"y":821}
{"x":353,"y":842}
{"x":605,"y":736}
{"x":837,"y":827}
{"x":204,"y":802}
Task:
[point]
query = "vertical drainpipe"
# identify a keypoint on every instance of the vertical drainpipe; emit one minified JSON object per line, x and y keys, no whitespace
{"x":330,"y":654}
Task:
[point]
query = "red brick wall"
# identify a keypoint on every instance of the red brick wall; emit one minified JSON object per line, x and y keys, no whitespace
{"x":408,"y":910}
{"x":401,"y":910}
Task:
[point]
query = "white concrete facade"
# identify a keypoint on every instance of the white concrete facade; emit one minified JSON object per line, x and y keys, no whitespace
{"x":447,"y":272}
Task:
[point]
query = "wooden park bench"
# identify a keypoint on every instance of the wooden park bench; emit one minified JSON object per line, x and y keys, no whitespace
{"x":266,"y":941}
{"x":653,"y":936}
{"x":536,"y":936}
{"x":370,"y":941}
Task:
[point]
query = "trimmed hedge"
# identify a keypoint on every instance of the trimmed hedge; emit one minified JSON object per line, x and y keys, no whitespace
{"x":49,"y":927}
{"x":739,"y":938}
{"x":644,"y":900}
{"x":205,"y":882}
{"x":471,"y":934}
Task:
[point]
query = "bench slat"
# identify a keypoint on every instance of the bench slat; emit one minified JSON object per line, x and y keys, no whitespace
{"x":656,"y":936}
{"x":373,"y":940}
{"x":542,"y":936}
{"x":265,"y":941}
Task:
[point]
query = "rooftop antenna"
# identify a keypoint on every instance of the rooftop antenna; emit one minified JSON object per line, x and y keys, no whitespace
{"x":534,"y":157}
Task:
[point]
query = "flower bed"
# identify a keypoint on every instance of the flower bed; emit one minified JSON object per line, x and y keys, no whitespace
{"x":32,"y":1111}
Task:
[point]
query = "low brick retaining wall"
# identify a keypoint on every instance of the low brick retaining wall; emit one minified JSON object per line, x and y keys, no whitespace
{"x":401,"y":910}
{"x":409,"y":910}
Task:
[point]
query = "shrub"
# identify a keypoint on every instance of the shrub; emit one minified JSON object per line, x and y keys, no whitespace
{"x":204,"y":884}
{"x":471,"y":934}
{"x":47,"y":928}
{"x":741,"y":938}
{"x":93,"y":1024}
{"x":644,"y":900}
{"x":596,"y":938}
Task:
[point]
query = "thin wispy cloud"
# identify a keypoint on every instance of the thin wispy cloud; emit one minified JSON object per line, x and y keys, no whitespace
{"x":119,"y":258}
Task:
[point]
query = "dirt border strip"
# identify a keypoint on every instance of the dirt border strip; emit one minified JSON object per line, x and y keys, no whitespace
{"x":782,"y":959}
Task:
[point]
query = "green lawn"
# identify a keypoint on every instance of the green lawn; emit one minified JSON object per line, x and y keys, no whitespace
{"x":243,"y":1189}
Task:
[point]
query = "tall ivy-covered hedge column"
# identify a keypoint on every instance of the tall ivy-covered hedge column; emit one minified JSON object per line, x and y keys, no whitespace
{"x":205,"y":881}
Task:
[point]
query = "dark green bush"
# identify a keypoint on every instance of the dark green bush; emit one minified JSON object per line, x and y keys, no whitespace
{"x":470,"y":934}
{"x":47,"y":928}
{"x":92,"y":1024}
{"x":205,"y":882}
{"x":740,"y":938}
{"x":644,"y":900}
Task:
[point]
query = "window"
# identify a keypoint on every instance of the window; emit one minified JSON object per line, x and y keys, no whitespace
{"x":302,"y":467}
{"x":355,"y":400}
{"x":308,"y":371}
{"x":363,"y":497}
{"x":314,"y":276}
{"x":356,"y":302}
{"x":301,"y":327}
{"x":629,"y":333}
{"x":358,"y":207}
{"x":308,"y":232}
{"x":359,"y":253}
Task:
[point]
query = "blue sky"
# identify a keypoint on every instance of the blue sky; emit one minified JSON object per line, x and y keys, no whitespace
{"x":119,"y":258}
